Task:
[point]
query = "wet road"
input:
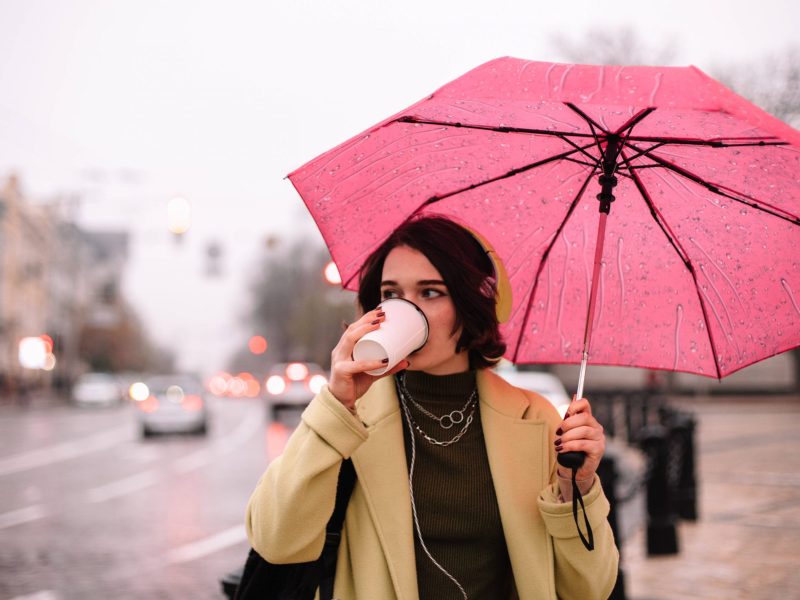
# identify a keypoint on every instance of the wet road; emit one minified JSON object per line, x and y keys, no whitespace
{"x":89,"y":510}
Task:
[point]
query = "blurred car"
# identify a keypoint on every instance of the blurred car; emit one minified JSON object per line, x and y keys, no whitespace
{"x":289,"y":387}
{"x":546,"y":384}
{"x":171,"y":404}
{"x":97,"y":389}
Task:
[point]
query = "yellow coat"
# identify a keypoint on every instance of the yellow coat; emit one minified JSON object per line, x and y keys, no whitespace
{"x":291,"y":505}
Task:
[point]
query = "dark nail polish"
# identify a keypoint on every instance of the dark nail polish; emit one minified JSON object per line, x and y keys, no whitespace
{"x":557,"y":442}
{"x":385,"y":361}
{"x":381,"y":314}
{"x":559,"y":431}
{"x":559,"y":448}
{"x":375,"y":322}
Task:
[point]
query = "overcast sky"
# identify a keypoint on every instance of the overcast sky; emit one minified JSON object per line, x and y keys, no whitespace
{"x":124,"y":104}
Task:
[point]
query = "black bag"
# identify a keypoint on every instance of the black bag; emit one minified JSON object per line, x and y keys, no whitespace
{"x":262,"y":580}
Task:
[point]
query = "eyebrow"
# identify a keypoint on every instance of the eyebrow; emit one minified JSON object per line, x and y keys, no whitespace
{"x":420,"y":282}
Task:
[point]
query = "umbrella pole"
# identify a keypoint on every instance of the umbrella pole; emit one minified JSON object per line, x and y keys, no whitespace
{"x":606,"y":197}
{"x":574,"y":460}
{"x":587,"y":332}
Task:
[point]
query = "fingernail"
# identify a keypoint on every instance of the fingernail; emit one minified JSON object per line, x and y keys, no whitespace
{"x":385,"y":361}
{"x":559,"y":431}
{"x":375,"y":322}
{"x":557,"y":442}
{"x":381,"y":314}
{"x":559,"y":448}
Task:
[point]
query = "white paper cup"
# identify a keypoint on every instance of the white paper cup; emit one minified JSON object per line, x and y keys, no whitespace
{"x":404,"y":330}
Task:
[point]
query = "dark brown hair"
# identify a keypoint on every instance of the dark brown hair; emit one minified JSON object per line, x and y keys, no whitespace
{"x":467,"y":272}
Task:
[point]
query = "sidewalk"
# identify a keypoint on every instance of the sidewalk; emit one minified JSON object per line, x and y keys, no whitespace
{"x":746,"y":541}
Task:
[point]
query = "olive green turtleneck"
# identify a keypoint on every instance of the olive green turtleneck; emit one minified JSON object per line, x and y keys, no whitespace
{"x":454,"y":496}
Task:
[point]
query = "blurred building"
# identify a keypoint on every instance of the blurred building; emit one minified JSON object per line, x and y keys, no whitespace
{"x":26,"y":235}
{"x":56,"y":280}
{"x":69,"y":290}
{"x":107,"y":254}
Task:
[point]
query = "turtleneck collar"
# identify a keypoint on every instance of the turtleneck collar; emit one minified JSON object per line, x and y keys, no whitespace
{"x":455,"y":386}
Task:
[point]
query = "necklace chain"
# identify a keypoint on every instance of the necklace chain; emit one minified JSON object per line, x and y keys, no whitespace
{"x":447,"y":421}
{"x":455,"y":417}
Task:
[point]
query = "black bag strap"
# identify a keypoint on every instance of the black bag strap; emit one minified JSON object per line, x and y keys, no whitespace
{"x":333,"y":535}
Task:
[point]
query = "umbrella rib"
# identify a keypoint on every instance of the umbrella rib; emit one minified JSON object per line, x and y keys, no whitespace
{"x":633,"y":121}
{"x":719,"y":190}
{"x":499,"y":128}
{"x":581,"y":162}
{"x":682,"y":254}
{"x":591,"y":122}
{"x":545,"y":256}
{"x":511,"y":173}
{"x":713,"y":143}
{"x":582,"y":149}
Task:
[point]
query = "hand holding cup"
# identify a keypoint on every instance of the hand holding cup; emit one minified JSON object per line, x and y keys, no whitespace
{"x":390,"y":332}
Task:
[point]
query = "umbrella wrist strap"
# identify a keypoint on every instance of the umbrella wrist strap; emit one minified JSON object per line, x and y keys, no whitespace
{"x":576,"y":499}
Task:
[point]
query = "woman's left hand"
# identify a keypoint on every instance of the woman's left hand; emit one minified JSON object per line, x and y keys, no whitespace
{"x":581,"y":432}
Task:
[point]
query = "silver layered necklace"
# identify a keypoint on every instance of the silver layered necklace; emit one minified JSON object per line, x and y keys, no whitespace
{"x":465,"y":415}
{"x":454,"y":418}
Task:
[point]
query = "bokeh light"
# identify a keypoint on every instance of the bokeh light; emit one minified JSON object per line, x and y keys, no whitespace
{"x":331,"y":273}
{"x":32,"y":353}
{"x":139,"y":391}
{"x":296,"y":371}
{"x":257,"y":344}
{"x":276,"y":385}
{"x":316,"y":383}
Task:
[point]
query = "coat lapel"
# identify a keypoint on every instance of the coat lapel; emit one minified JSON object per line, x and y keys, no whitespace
{"x":382,"y":470}
{"x":517,"y":447}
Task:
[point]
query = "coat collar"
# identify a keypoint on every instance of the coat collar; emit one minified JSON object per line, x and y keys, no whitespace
{"x":517,"y":450}
{"x":382,"y":472}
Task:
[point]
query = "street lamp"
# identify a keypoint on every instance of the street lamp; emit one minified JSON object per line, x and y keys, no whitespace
{"x":179,"y":216}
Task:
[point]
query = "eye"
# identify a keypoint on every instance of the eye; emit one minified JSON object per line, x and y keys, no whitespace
{"x":432,"y":293}
{"x":389,"y":293}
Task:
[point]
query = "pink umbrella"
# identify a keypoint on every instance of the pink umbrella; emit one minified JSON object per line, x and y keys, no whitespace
{"x":650,"y":206}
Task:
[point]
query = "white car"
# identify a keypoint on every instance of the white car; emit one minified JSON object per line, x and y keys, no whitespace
{"x":546,"y":384}
{"x":97,"y":389}
{"x":172,"y":404}
{"x":289,"y":387}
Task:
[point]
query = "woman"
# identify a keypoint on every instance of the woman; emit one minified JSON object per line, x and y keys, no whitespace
{"x":468,"y":506}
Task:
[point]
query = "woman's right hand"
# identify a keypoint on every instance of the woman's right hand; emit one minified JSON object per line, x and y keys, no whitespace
{"x":349,"y":379}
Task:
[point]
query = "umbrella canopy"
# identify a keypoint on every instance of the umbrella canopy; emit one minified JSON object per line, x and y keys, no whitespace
{"x":700,"y":268}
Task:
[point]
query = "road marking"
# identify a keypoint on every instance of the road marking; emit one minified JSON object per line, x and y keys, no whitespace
{"x":124,"y":486}
{"x":192,"y":461}
{"x":64,"y":451}
{"x":243,"y":431}
{"x":22,"y":515}
{"x":43,"y":595}
{"x":220,"y":541}
{"x":246,"y":428}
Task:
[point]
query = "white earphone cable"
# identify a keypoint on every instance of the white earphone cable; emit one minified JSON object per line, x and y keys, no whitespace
{"x":413,"y":504}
